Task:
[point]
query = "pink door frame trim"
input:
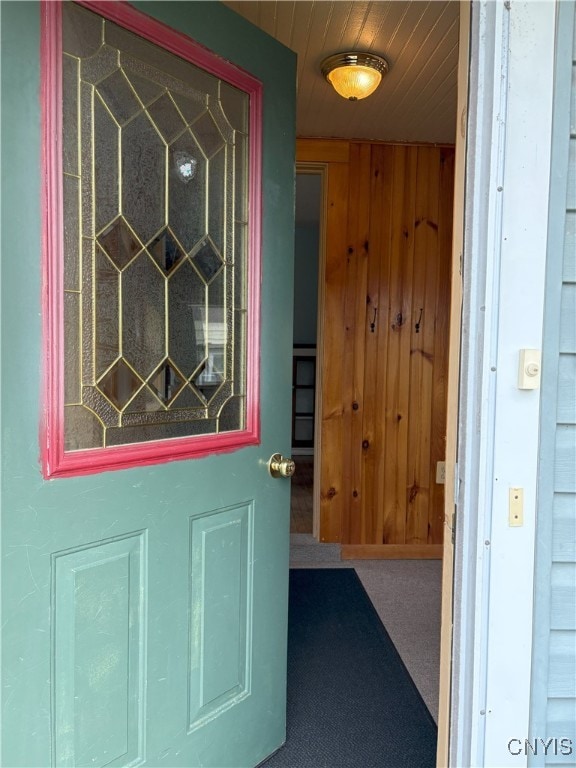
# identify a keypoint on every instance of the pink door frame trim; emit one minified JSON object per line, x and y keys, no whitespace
{"x":56,"y":462}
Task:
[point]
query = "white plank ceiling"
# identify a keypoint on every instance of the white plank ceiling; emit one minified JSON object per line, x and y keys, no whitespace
{"x":416,"y":100}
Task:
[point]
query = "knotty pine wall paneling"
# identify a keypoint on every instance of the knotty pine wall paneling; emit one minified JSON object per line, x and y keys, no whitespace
{"x":354,"y":350}
{"x":384,"y":352}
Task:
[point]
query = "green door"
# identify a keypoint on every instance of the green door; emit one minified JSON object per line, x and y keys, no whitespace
{"x":144,"y":604}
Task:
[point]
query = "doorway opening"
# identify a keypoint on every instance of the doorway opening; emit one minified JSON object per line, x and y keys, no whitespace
{"x":331,"y":159}
{"x":405,"y":592}
{"x":306,"y":342}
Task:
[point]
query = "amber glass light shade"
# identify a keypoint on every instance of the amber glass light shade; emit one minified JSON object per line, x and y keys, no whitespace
{"x":354,"y":75}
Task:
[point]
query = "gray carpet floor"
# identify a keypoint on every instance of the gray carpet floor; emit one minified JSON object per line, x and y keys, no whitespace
{"x":407,"y":597}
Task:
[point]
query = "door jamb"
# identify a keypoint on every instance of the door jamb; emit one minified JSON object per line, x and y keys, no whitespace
{"x":510,"y":120}
{"x":318,"y":169}
{"x":450,"y":490}
{"x":329,"y":157}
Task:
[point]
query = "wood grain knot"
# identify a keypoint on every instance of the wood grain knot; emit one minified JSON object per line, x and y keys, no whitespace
{"x":413,"y":492}
{"x":365,"y":444}
{"x":428,"y":222}
{"x":426,"y":355}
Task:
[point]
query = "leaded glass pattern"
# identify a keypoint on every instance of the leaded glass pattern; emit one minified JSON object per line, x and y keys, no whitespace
{"x":155,"y":169}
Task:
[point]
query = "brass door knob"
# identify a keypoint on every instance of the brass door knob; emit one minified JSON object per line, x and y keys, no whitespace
{"x":278,"y":466}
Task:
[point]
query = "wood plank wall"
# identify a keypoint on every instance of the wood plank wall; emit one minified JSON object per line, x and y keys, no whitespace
{"x":384,"y":349}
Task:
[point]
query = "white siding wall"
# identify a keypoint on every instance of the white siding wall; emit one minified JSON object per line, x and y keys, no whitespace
{"x":554,"y":660}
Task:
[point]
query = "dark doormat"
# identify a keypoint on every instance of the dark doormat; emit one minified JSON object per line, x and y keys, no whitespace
{"x":351,"y":700}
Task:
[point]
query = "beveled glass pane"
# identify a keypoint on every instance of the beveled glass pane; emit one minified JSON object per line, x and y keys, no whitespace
{"x":146,"y":90}
{"x":143,"y":316}
{"x":165,"y":63}
{"x":166,"y":118}
{"x":239,"y":353}
{"x":106,"y":312}
{"x":97,"y":402}
{"x":100,"y":66}
{"x":87,"y":352}
{"x":207,"y":135}
{"x":72,"y":384}
{"x":217,"y":326}
{"x":164,"y":415}
{"x":155,"y":327}
{"x":71,"y":233}
{"x":177,"y":88}
{"x":120,"y":384}
{"x":144,"y":403}
{"x":188,"y":398}
{"x":221,"y":396}
{"x":82,"y":31}
{"x":228,"y":222}
{"x":187,"y":194}
{"x":217,"y":198}
{"x":208,"y":380}
{"x":240,"y":246}
{"x":229,"y":229}
{"x":187,"y":319}
{"x":106,"y":176}
{"x":70,"y":113}
{"x":240,"y":167}
{"x":165,"y":251}
{"x":221,"y":121}
{"x":119,"y":243}
{"x":86,"y":158}
{"x":234,"y":105}
{"x":207,"y":261}
{"x":83,"y":428}
{"x":190,"y":108}
{"x":118,"y":96}
{"x":143,"y":177}
{"x":232,"y":415}
{"x":144,"y":434}
{"x":166,"y":382}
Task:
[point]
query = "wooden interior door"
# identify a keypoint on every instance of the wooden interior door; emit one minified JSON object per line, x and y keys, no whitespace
{"x":144,"y":589}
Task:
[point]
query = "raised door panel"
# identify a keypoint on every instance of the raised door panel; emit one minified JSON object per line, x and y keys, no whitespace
{"x":221,"y":575}
{"x":99,"y":602}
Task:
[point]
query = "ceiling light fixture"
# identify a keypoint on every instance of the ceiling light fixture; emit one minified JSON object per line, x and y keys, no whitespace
{"x":354,"y":75}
